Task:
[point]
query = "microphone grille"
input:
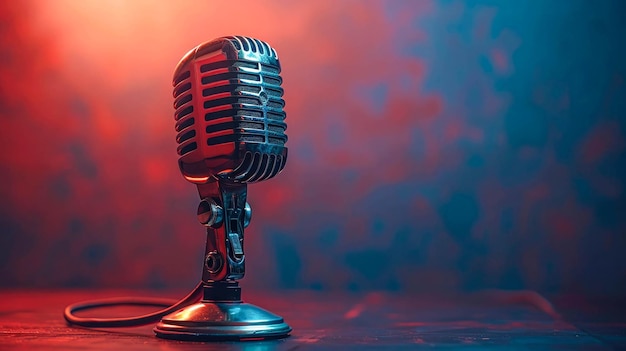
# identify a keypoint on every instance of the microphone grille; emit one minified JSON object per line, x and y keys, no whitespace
{"x":229,"y":110}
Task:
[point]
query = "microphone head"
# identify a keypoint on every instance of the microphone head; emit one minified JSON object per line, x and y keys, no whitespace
{"x":229,"y":111}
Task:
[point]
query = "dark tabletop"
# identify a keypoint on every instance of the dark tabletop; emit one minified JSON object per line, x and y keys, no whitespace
{"x":32,"y":320}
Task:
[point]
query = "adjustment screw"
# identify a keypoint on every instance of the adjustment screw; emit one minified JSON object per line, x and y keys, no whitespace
{"x":213,"y":262}
{"x":247,"y":215}
{"x":210,"y":214}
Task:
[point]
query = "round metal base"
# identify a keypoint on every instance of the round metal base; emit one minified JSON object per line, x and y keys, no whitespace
{"x":208,"y":320}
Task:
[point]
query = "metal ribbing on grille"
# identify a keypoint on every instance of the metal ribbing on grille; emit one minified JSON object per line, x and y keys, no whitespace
{"x":257,"y":167}
{"x":186,"y":137}
{"x":245,"y":96}
{"x":253,"y":45}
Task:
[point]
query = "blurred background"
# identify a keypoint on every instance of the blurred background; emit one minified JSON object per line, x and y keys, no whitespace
{"x":434,"y":146}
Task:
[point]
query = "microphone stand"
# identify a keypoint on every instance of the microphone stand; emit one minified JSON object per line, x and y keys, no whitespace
{"x":221,"y":314}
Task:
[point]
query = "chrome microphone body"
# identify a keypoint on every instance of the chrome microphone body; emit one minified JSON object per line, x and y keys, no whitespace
{"x":230,"y":127}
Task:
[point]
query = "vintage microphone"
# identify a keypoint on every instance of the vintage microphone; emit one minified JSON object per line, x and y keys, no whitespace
{"x":231,"y":131}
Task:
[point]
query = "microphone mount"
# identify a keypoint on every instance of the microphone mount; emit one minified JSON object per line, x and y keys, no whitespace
{"x":225,"y":212}
{"x":221,"y":314}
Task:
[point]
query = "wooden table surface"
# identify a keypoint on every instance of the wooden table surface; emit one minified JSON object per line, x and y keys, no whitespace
{"x":32,"y":320}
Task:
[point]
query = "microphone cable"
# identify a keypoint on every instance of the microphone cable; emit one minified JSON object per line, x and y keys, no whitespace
{"x":168,"y":305}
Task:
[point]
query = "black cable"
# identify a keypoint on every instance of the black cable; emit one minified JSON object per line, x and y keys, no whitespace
{"x":170,"y":306}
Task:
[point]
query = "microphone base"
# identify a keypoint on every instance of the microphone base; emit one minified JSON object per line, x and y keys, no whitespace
{"x":213,"y":320}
